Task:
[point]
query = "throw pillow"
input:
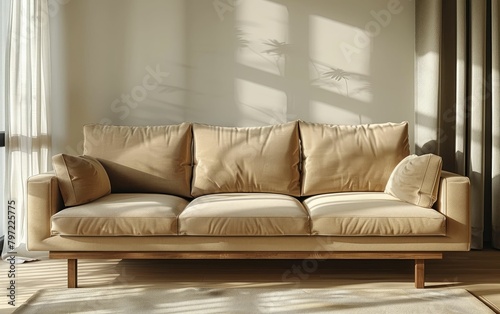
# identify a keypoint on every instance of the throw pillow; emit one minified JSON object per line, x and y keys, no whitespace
{"x":82,"y":179}
{"x":416,"y":179}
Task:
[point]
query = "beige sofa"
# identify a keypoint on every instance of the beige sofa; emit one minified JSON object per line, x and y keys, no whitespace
{"x":297,"y":190}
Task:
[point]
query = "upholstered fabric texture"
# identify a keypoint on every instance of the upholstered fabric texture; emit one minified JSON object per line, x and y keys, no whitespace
{"x":343,"y":158}
{"x":371,"y":213}
{"x":81,"y":178}
{"x":44,"y":200}
{"x":121,"y":214}
{"x":152,"y":159}
{"x":416,"y":180}
{"x":258,"y":159}
{"x":244,"y":214}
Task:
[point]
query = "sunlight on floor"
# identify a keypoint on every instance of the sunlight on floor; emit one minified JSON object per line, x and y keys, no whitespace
{"x":478,"y":272}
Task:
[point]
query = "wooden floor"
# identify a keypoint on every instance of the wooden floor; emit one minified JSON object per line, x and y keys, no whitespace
{"x":476,"y":271}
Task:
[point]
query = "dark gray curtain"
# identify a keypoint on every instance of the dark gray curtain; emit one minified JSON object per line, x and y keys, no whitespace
{"x":458,"y":100}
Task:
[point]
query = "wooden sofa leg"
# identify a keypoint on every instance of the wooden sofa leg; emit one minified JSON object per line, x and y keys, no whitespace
{"x":419,"y":273}
{"x":72,"y":273}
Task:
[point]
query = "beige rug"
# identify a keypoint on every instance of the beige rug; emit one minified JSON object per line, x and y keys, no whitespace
{"x":252,"y":300}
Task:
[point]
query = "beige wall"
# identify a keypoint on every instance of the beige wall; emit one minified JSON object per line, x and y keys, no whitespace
{"x":230,"y":62}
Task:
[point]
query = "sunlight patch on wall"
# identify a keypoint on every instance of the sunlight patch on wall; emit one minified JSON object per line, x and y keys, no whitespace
{"x":340,"y":58}
{"x":262,"y":35}
{"x":326,"y":113}
{"x":260,"y":103}
{"x":425,"y":113}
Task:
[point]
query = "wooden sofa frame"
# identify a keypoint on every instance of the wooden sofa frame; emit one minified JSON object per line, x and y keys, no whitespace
{"x":73,"y":258}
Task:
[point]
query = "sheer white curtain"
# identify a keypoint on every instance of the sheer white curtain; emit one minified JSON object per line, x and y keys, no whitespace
{"x":27,"y":98}
{"x":4,"y":23}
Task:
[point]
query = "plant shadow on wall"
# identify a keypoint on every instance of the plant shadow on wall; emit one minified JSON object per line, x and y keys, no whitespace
{"x":274,"y":56}
{"x":277,"y":54}
{"x":278,"y":50}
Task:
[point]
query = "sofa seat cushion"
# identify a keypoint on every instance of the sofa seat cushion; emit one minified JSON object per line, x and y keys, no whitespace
{"x":244,"y":214}
{"x":121,"y":215}
{"x":371,"y":214}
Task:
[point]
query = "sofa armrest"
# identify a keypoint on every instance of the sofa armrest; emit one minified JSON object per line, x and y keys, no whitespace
{"x":44,"y":200}
{"x":453,"y":202}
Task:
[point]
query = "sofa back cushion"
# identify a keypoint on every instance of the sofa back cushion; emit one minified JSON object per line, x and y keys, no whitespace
{"x":149,"y":159}
{"x":343,"y":158}
{"x":247,"y":160}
